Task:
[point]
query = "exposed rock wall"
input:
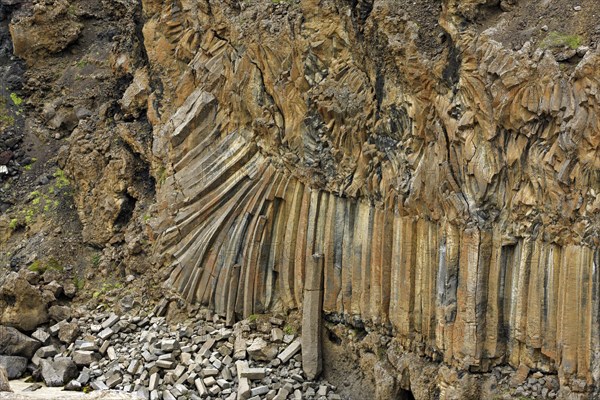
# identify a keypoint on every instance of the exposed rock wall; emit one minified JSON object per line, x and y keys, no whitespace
{"x":451,"y":188}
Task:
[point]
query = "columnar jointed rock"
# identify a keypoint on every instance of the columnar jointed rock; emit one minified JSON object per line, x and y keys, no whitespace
{"x":312,"y":305}
{"x":453,"y":198}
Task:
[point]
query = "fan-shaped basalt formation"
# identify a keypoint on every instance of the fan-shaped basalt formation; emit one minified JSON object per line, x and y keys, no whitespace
{"x":432,"y":183}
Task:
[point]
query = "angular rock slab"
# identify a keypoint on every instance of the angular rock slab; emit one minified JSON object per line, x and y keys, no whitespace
{"x":15,"y":343}
{"x":58,"y":372}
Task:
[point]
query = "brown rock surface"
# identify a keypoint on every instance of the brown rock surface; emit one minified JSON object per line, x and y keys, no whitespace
{"x":453,"y":196}
{"x":440,"y":158}
{"x":49,"y":28}
{"x":22,"y":305}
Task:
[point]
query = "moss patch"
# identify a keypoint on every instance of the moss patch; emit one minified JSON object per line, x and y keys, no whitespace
{"x":556,"y":39}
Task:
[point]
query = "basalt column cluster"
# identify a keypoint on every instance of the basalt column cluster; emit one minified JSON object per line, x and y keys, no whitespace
{"x":315,"y":156}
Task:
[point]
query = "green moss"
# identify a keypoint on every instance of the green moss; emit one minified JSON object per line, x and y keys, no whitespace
{"x":61,"y":179}
{"x":289,"y":330}
{"x":161,"y":175}
{"x":79,"y":282}
{"x":50,"y":264}
{"x":252,"y":318}
{"x":29,"y":215}
{"x":95,"y":260}
{"x":28,"y":167}
{"x":36,"y":266}
{"x":557,"y":39}
{"x":17,"y":101}
{"x":6,"y":118}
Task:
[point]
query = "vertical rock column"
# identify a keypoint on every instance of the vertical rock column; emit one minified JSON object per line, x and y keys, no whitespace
{"x":312,"y":303}
{"x":311,"y":318}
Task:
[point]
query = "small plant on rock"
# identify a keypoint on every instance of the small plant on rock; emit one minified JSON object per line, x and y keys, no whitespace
{"x":557,"y":39}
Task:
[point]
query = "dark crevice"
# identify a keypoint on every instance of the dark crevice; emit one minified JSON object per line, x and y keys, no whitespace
{"x":126,"y":212}
{"x":451,"y":71}
{"x":404,"y":395}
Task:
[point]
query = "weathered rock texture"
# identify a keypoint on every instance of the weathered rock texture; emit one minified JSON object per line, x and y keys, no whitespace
{"x":428,"y":170}
{"x":451,"y":188}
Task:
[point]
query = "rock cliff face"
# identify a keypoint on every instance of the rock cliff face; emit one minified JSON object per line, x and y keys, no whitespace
{"x":429,"y":172}
{"x":445,"y":184}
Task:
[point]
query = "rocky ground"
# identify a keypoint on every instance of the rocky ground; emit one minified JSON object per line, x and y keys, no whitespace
{"x":139,"y":353}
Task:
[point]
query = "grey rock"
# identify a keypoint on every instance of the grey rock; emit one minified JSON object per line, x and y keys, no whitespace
{"x":68,"y":332}
{"x":99,"y":385}
{"x":290,"y":351}
{"x":47,"y":351}
{"x":84,"y":357}
{"x":110,"y":321}
{"x":260,"y":350}
{"x":114,"y":379}
{"x":14,"y":343}
{"x":70,"y":290}
{"x":105,"y":333}
{"x":55,"y":288}
{"x":59,"y":371}
{"x":15,"y":366}
{"x":59,"y":313}
{"x":41,"y":335}
{"x":259,"y":391}
{"x":74,"y":386}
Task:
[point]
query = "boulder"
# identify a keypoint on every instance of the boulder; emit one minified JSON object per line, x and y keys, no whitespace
{"x":4,"y":385}
{"x":70,"y":290}
{"x":21,"y":304}
{"x":15,"y":343}
{"x":59,"y":313}
{"x":136,"y":95}
{"x":58,"y":372}
{"x":48,"y":30}
{"x":68,"y":332}
{"x":15,"y":366}
{"x":260,"y":350}
{"x":47,"y":351}
{"x":84,"y":357}
{"x":55,"y":288}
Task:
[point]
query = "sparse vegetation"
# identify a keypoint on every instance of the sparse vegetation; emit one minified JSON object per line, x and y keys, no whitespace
{"x":95,"y":260}
{"x":17,"y":101}
{"x":289,"y":330}
{"x":79,"y":282}
{"x":105,"y":288}
{"x":29,"y":166}
{"x":6,"y":118}
{"x":557,"y":39}
{"x":40,"y":266}
{"x":61,"y":179}
{"x":161,"y":175}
